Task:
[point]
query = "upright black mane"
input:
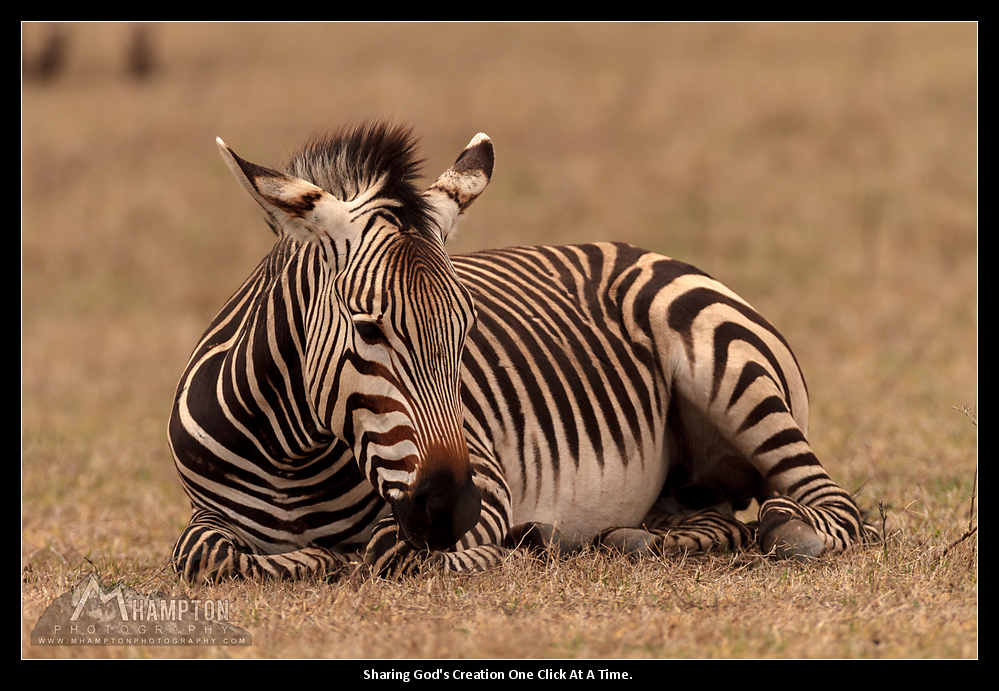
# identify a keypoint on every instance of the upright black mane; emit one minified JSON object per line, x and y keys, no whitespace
{"x":349,"y":160}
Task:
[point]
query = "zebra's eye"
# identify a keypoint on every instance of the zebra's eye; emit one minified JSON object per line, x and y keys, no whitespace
{"x":368,"y":328}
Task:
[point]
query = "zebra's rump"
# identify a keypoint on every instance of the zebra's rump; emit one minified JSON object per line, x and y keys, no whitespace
{"x":579,"y":374}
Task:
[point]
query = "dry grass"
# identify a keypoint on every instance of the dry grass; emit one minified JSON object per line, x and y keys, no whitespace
{"x":826,"y":172}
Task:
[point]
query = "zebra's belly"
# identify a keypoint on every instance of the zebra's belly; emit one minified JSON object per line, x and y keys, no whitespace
{"x":585,"y":500}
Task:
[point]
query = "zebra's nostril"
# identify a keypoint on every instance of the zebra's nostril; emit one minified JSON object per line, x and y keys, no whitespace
{"x":438,"y":511}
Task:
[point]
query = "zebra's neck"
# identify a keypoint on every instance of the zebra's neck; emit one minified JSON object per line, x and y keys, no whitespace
{"x":264,"y":329}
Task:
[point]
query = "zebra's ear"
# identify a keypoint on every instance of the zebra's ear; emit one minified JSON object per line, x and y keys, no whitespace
{"x":462,"y":183}
{"x":296,"y":206}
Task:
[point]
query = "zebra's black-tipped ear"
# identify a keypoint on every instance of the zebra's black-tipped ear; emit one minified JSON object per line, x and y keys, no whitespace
{"x":297,"y":207}
{"x":462,"y":183}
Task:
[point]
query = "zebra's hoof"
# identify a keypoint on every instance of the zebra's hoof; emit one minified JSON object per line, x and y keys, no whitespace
{"x":794,"y":539}
{"x":632,"y":541}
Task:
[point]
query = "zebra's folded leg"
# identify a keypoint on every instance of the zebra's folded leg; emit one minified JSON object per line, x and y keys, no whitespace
{"x":630,"y":540}
{"x":389,"y":555}
{"x":474,"y":559}
{"x":208,"y":552}
{"x":700,"y":531}
{"x":204,"y":555}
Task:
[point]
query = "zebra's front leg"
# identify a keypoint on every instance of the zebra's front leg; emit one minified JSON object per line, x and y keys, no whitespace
{"x":699,"y":531}
{"x":209,"y":550}
{"x":389,"y":554}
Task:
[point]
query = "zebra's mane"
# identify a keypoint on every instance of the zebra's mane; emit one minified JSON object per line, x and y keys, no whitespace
{"x":349,"y":160}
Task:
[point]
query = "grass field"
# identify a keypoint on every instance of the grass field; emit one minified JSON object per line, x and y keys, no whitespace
{"x":826,"y":172}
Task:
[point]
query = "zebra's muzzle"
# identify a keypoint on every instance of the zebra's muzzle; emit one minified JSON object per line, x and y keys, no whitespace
{"x":438,"y":511}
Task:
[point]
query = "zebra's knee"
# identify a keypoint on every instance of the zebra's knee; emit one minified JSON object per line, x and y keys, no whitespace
{"x":389,"y":555}
{"x":202,"y":556}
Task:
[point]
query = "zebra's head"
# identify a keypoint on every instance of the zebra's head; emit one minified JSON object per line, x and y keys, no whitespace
{"x":384,"y":316}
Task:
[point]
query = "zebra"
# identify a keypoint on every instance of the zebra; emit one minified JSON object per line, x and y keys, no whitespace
{"x":366,"y":402}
